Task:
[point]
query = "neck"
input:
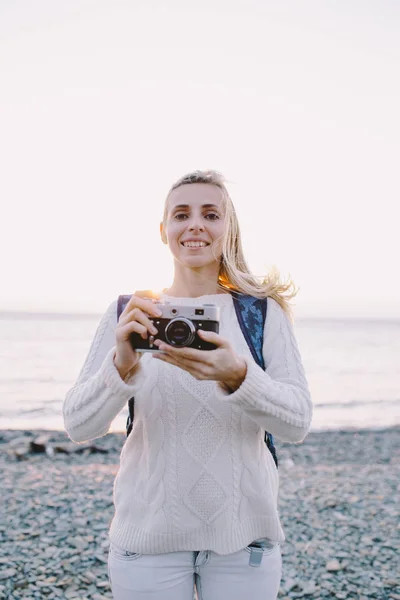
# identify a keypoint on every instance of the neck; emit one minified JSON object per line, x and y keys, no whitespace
{"x":192,"y":283}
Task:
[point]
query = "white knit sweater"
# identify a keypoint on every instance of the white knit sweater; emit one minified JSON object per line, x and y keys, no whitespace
{"x":195,"y":473}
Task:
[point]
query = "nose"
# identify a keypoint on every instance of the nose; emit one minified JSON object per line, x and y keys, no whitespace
{"x":196,"y":225}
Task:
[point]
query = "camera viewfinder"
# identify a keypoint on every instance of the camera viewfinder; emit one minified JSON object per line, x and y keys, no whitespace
{"x":199,"y":311}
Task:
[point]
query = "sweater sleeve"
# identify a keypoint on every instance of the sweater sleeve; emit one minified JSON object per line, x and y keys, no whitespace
{"x":99,"y":393}
{"x":277,"y":399}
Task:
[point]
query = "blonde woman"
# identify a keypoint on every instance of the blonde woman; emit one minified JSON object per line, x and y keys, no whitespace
{"x":196,"y":493}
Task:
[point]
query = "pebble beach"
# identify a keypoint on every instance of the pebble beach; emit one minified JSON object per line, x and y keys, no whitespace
{"x":338,"y":501}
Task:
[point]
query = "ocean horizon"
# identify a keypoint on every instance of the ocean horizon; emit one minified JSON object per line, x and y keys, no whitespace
{"x":351,"y":366}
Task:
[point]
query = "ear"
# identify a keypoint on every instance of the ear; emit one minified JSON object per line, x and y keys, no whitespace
{"x":162,"y":233}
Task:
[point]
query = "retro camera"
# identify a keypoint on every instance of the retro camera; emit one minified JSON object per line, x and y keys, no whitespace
{"x":178,"y":326}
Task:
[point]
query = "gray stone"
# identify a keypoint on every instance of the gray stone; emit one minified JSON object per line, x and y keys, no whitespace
{"x":7,"y":573}
{"x":333,"y":565}
{"x":38,"y":445}
{"x":329,"y":507}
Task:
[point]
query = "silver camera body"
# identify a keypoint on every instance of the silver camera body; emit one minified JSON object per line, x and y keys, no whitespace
{"x":178,"y":326}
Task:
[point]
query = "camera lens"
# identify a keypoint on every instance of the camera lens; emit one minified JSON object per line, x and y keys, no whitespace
{"x":180,"y":332}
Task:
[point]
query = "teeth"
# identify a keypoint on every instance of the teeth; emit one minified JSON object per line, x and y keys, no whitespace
{"x":194,"y":244}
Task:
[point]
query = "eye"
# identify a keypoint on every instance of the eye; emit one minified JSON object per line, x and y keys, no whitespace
{"x":212,"y":216}
{"x":180,"y":216}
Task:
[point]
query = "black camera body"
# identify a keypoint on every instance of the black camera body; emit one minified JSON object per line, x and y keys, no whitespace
{"x":178,"y":326}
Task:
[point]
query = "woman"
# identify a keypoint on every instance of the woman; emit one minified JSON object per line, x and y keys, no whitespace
{"x":196,"y":493}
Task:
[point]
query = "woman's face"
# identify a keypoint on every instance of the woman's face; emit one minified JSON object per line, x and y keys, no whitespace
{"x":195,"y":224}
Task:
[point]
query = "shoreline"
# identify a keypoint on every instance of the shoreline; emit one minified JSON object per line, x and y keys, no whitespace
{"x":338,"y":503}
{"x":326,"y":440}
{"x":30,"y":424}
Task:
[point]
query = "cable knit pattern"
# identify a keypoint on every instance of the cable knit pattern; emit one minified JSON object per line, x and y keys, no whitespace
{"x":195,"y":473}
{"x":173,"y":473}
{"x":203,"y":438}
{"x":154,"y":432}
{"x":105,"y":329}
{"x":277,"y":399}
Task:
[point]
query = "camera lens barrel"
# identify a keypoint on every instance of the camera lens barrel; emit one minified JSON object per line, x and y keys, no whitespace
{"x":180,"y":332}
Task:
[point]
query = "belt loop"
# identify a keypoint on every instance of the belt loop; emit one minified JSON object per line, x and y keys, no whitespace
{"x":256,"y":555}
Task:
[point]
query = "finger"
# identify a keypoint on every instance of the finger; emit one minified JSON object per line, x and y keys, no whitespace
{"x":212,"y":338}
{"x":123,"y":332}
{"x":140,"y":317}
{"x":194,"y":367}
{"x":184,"y":353}
{"x":136,"y":314}
{"x":166,"y":358}
{"x":144,"y":305}
{"x":151,"y":294}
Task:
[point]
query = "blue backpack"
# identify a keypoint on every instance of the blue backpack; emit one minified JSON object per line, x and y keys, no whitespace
{"x":251,"y":314}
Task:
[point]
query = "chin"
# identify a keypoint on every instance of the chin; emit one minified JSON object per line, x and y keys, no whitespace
{"x":198,"y":264}
{"x":195,"y":261}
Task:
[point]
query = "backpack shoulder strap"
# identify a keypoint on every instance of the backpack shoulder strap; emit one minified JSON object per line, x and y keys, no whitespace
{"x":251,"y":313}
{"x":122,"y":302}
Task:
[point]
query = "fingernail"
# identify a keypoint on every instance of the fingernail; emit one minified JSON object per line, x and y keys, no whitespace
{"x":158,"y":313}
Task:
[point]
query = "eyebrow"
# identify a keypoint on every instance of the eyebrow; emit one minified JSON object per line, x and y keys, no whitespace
{"x":180,"y":206}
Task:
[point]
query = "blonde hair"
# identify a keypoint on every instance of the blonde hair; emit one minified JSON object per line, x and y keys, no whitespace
{"x":234,"y":274}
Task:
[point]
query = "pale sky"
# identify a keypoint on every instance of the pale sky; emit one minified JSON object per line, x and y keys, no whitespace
{"x":103,"y":104}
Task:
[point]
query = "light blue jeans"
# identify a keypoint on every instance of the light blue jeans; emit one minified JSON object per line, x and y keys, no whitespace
{"x":254,"y":572}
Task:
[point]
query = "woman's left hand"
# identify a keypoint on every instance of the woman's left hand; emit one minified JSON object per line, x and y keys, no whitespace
{"x":221,"y":364}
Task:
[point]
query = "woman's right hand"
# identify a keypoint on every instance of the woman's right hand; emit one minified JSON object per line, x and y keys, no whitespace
{"x":134,"y":318}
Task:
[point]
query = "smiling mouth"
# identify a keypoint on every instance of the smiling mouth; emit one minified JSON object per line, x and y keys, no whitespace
{"x":194,"y":245}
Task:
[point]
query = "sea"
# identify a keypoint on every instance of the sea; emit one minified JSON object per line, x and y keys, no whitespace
{"x":352,"y":367}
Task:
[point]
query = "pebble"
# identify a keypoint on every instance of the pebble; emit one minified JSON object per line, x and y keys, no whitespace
{"x":333,"y":565}
{"x":6,"y":573}
{"x":338,"y":503}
